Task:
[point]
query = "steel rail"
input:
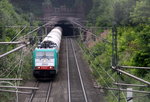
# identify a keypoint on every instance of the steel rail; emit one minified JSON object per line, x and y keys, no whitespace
{"x":47,"y":95}
{"x":68,"y":74}
{"x":81,"y":80}
{"x":33,"y":92}
{"x":98,"y":72}
{"x":49,"y":91}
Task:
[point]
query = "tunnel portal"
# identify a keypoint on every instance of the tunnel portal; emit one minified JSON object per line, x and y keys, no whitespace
{"x":68,"y":29}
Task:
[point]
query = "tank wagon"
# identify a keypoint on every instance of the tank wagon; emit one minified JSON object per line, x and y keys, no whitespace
{"x":46,"y":55}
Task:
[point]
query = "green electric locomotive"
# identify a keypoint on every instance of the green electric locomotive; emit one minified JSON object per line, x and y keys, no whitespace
{"x":46,"y":56}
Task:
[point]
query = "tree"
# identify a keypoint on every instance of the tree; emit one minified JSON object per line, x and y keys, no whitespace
{"x":141,"y":12}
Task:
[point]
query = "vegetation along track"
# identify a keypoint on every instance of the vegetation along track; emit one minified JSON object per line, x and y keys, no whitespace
{"x":76,"y":89}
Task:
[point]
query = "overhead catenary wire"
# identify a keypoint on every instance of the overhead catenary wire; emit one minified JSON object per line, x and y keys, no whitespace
{"x":38,"y":27}
{"x":16,"y":49}
{"x":23,"y":54}
{"x":12,"y":70}
{"x":86,"y":30}
{"x":99,"y":64}
{"x":8,"y":69}
{"x":50,"y":22}
{"x":12,"y":65}
{"x":9,"y":60}
{"x":18,"y":75}
{"x":102,"y":69}
{"x":101,"y":77}
{"x":117,"y":68}
{"x":18,"y":65}
{"x":19,"y":33}
{"x":105,"y":82}
{"x":96,"y":36}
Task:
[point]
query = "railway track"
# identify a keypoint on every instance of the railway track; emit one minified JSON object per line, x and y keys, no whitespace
{"x":76,"y":89}
{"x":73,"y":82}
{"x":41,"y":95}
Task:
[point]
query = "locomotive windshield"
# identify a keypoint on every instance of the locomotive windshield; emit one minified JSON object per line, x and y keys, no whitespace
{"x":41,"y":55}
{"x":44,"y":58}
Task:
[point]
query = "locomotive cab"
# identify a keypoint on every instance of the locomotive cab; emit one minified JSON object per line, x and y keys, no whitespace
{"x":45,"y":63}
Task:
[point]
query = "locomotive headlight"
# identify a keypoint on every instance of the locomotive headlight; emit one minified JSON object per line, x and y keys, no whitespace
{"x":51,"y":67}
{"x":44,"y":60}
{"x":38,"y":67}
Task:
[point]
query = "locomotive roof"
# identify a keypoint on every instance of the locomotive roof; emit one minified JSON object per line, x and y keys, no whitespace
{"x":44,"y":50}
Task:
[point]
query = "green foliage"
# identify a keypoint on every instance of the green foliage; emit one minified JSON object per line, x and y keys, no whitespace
{"x":6,"y":97}
{"x":132,"y":18}
{"x":134,"y":44}
{"x":10,"y":17}
{"x":133,"y":50}
{"x":8,"y":14}
{"x":123,"y":12}
{"x":141,"y":12}
{"x":100,"y":14}
{"x":99,"y":59}
{"x":28,"y":6}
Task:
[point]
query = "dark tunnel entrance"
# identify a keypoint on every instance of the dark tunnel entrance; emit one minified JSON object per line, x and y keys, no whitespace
{"x":68,"y":29}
